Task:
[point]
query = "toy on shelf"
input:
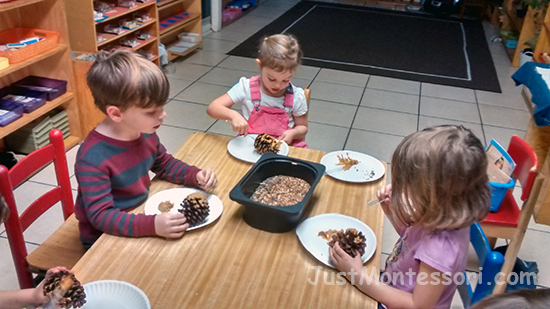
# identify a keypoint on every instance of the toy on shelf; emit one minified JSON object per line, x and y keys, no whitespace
{"x":129,"y":24}
{"x":127,"y":4}
{"x":142,"y":17}
{"x":189,"y":37}
{"x":102,"y":7}
{"x":143,"y":35}
{"x":113,"y":29}
{"x":4,"y":63}
{"x":174,"y":20}
{"x":146,"y":53}
{"x":129,"y":42}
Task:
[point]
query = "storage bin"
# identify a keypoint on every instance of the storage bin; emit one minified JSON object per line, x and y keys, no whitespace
{"x":498,"y":191}
{"x":188,"y":37}
{"x":273,"y":218}
{"x":52,"y":88}
{"x":17,"y":34}
{"x":30,"y":137}
{"x":9,"y":112}
{"x":29,"y":99}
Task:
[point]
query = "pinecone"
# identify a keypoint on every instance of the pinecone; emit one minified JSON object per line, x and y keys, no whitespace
{"x":266,"y":143}
{"x":351,"y":241}
{"x":195,"y":208}
{"x":75,"y":296}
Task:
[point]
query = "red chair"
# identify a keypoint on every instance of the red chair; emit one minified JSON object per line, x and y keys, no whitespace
{"x":17,"y":224}
{"x":509,"y":222}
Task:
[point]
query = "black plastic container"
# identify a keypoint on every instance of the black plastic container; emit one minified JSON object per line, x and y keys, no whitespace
{"x":275,"y":219}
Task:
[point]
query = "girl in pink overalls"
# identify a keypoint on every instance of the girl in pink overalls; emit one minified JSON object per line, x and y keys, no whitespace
{"x":270,"y":102}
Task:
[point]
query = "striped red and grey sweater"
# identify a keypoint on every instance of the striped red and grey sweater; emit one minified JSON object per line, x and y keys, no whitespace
{"x":113,"y":178}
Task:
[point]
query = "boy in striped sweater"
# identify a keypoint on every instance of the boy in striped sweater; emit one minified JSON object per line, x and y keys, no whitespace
{"x":112,"y":164}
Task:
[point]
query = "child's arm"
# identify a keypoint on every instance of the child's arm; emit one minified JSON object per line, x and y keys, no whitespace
{"x":168,"y":168}
{"x":298,"y":132}
{"x":426,"y":293}
{"x":384,"y":195}
{"x":98,"y":204}
{"x":220,"y":108}
{"x":27,"y":297}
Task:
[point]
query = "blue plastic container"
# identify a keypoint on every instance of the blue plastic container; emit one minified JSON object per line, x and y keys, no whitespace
{"x":9,"y":112}
{"x":29,"y":99}
{"x":498,"y":191}
{"x":52,"y":88}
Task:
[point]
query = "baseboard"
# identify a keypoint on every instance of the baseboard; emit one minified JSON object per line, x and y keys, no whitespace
{"x":206,"y":25}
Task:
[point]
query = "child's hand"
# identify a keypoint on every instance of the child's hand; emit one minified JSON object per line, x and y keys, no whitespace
{"x":170,"y":225}
{"x":343,"y":261}
{"x":287,"y":136}
{"x":239,"y":124}
{"x":38,"y":293}
{"x":207,"y":179}
{"x":384,"y":195}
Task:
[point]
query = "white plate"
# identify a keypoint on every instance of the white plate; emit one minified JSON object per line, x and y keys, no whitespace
{"x":368,"y":169}
{"x":176,"y":196}
{"x":114,"y":294}
{"x":242,"y":148}
{"x":308,"y":230}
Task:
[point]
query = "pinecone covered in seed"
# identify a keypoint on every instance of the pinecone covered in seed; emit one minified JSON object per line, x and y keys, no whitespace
{"x":195,"y":208}
{"x":265,"y":143}
{"x":75,"y":296}
{"x":351,"y":241}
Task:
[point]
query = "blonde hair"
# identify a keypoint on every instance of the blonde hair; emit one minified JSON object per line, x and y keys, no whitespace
{"x":439,"y":179}
{"x":124,"y":78}
{"x":280,"y":52}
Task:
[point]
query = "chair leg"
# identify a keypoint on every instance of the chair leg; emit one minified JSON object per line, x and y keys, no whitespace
{"x":492,"y":242}
{"x":515,"y":244}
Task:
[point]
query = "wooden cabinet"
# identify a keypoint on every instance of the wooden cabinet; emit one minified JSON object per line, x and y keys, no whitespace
{"x":173,"y":23}
{"x":84,"y":31}
{"x":54,"y":63}
{"x":543,"y":43}
{"x":83,"y":34}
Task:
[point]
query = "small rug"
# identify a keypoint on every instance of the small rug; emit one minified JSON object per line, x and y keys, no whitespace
{"x":411,"y":46}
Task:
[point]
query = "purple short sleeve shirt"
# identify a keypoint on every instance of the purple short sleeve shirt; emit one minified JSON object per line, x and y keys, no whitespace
{"x":446,"y":251}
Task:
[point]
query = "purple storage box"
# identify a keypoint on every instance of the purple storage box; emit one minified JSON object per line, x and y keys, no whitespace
{"x":9,"y":112}
{"x":29,"y":99}
{"x":53,"y":88}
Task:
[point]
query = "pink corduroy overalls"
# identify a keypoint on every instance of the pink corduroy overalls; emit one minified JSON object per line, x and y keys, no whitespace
{"x":270,"y":120}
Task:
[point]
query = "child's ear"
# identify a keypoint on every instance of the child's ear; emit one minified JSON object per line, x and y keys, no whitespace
{"x":259,"y":62}
{"x":114,"y":113}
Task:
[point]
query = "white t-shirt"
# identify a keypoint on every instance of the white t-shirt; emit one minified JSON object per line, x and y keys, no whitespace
{"x":240,"y":93}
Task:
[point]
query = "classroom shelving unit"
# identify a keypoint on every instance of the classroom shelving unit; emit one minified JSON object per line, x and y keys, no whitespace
{"x":174,"y":26}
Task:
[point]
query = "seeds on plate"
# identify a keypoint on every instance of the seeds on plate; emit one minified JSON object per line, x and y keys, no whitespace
{"x":165,"y":206}
{"x":346,"y":161}
{"x":281,"y":191}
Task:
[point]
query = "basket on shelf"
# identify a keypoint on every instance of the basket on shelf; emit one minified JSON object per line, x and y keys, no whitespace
{"x":17,"y":34}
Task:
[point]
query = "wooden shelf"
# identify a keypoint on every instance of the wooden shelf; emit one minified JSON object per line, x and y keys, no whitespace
{"x":144,"y":43}
{"x":173,"y":55}
{"x":179,"y":25}
{"x":19,"y":123}
{"x":114,"y":37}
{"x":118,"y":11}
{"x":16,"y":66}
{"x":71,"y":141}
{"x":166,"y":4}
{"x":16,"y":4}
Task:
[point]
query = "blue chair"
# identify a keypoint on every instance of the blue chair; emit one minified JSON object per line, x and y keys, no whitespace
{"x":490,"y":260}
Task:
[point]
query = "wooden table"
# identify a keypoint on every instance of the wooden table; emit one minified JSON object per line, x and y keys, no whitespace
{"x":229,"y":264}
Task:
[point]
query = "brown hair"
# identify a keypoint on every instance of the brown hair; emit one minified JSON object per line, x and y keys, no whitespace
{"x":124,"y":78}
{"x":439,"y":179}
{"x":521,"y":299}
{"x":280,"y":52}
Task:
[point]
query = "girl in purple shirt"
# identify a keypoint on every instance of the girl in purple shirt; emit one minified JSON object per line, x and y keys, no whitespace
{"x":439,"y":188}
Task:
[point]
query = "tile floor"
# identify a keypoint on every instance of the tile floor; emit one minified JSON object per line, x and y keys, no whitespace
{"x":351,"y":111}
